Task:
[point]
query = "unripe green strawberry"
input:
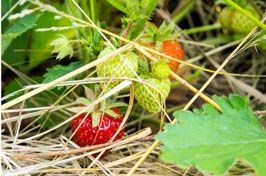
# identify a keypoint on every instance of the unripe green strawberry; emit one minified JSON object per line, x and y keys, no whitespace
{"x":225,"y":18}
{"x":234,"y":21}
{"x":150,"y":98}
{"x":117,"y":67}
{"x":160,"y":69}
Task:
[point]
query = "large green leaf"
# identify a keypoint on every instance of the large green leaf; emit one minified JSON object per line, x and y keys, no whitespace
{"x":212,"y":141}
{"x":41,"y":41}
{"x":18,"y":28}
{"x":15,"y":54}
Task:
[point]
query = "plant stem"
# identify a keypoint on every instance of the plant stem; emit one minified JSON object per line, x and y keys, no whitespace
{"x":93,"y":10}
{"x":84,"y":6}
{"x":203,"y":28}
{"x":180,"y":12}
{"x":246,"y":13}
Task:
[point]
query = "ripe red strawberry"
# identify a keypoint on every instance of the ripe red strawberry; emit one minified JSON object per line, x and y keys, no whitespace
{"x":173,"y":48}
{"x":87,"y":134}
{"x":163,"y":40}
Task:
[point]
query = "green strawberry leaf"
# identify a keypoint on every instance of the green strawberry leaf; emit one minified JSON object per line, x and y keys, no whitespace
{"x":18,"y":28}
{"x":16,"y":53}
{"x":6,"y":5}
{"x":111,"y":113}
{"x":138,"y":12}
{"x":154,"y":34}
{"x":118,"y":4}
{"x":165,"y":30}
{"x":60,"y":70}
{"x":83,"y":101}
{"x":77,"y":109}
{"x":116,"y":104}
{"x":212,"y":141}
{"x":63,"y":47}
{"x":93,"y":44}
{"x":89,"y":93}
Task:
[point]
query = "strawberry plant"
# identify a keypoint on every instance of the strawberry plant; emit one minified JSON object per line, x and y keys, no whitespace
{"x":134,"y":78}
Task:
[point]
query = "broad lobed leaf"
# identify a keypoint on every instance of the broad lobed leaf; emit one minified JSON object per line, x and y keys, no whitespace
{"x":212,"y":141}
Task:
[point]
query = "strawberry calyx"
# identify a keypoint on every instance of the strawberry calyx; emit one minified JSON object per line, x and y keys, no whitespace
{"x":153,"y":34}
{"x":105,"y":108}
{"x":96,"y":114}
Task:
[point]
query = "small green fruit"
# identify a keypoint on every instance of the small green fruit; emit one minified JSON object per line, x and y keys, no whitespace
{"x":119,"y":66}
{"x":151,"y":98}
{"x":234,"y":21}
{"x":160,"y":70}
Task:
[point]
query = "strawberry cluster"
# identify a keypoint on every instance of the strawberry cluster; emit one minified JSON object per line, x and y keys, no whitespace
{"x":153,"y":92}
{"x":101,"y":125}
